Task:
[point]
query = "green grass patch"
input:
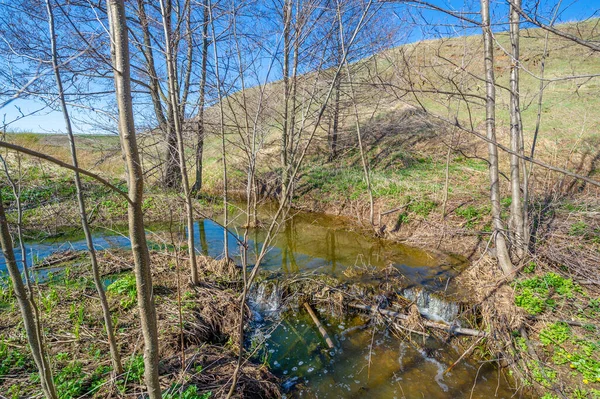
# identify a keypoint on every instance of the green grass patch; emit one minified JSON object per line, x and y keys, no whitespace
{"x":190,"y":392}
{"x":539,"y":293}
{"x":472,"y":214}
{"x":126,"y":288}
{"x":12,"y":359}
{"x":555,"y":333}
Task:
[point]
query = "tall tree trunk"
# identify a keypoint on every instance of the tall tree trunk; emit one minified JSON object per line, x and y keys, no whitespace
{"x":148,"y":53}
{"x":189,"y":59}
{"x":172,"y":168}
{"x":498,"y":226}
{"x":112,"y":343}
{"x":201,"y":100}
{"x":29,"y":312}
{"x":222,"y":128}
{"x":363,"y":157}
{"x":333,"y":140}
{"x":172,"y":174}
{"x":516,"y":208}
{"x":285,"y":167}
{"x":166,"y":8}
{"x":135,"y":183}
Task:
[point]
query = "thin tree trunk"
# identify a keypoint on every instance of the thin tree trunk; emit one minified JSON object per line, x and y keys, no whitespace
{"x":135,"y":183}
{"x":336,"y":121}
{"x":363,"y":157}
{"x":166,"y":8}
{"x":108,"y":323}
{"x":148,"y":53}
{"x":333,"y":141}
{"x":201,"y":100}
{"x":29,"y":312}
{"x":189,"y":59}
{"x":528,"y":173}
{"x":222,"y":127}
{"x":516,"y":207}
{"x":172,"y":175}
{"x":287,"y":21}
{"x":498,"y":226}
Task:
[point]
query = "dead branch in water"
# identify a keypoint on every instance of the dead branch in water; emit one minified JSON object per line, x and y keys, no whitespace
{"x":427,"y":323}
{"x":319,"y":326}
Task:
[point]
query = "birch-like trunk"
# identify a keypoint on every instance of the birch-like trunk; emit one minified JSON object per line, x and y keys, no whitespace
{"x":165,"y":6}
{"x":490,"y":110}
{"x":201,"y":100}
{"x":108,"y":323}
{"x":285,"y":167}
{"x":31,"y":321}
{"x":517,"y":220}
{"x":135,"y":183}
{"x":222,"y":130}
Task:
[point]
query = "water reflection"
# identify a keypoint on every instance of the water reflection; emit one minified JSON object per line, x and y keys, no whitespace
{"x":320,"y":243}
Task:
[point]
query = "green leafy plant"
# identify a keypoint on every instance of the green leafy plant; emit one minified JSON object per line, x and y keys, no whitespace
{"x":578,"y":228}
{"x":124,"y":286}
{"x":76,"y":315}
{"x":135,"y":368}
{"x":536,"y":294}
{"x":69,"y":381}
{"x":471,"y":214}
{"x":11,"y":359}
{"x":543,"y":375}
{"x":422,"y":207}
{"x":555,"y":333}
{"x":587,"y":366}
{"x":190,"y":392}
{"x":50,"y":300}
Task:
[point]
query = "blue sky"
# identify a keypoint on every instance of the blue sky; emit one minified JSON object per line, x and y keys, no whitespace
{"x":428,"y":24}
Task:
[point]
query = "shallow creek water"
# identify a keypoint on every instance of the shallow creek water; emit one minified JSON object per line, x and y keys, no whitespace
{"x":368,"y":361}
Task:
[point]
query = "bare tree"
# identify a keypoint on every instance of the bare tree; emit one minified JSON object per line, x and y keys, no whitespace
{"x":166,"y":7}
{"x":284,"y":203}
{"x":287,"y":24}
{"x":490,"y":123}
{"x":363,"y":158}
{"x":29,"y":312}
{"x":114,"y":350}
{"x":517,"y":207}
{"x":222,"y":131}
{"x":135,"y":183}
{"x":200,"y":133}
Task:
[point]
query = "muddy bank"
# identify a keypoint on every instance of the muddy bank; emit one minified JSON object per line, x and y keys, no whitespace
{"x":207,"y":339}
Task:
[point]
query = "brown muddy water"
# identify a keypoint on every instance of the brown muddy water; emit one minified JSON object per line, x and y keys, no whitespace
{"x":368,"y":361}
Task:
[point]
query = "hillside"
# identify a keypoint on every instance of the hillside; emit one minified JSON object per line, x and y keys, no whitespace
{"x":416,"y":107}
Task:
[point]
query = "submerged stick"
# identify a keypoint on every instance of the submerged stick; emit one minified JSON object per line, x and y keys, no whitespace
{"x":397,"y":315}
{"x":465,"y":353}
{"x":319,"y":326}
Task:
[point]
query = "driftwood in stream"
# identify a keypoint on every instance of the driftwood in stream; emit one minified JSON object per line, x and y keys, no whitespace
{"x":319,"y":326}
{"x":427,"y":323}
{"x":57,"y":258}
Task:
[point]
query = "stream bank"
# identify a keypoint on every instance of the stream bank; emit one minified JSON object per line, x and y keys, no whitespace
{"x":316,"y":259}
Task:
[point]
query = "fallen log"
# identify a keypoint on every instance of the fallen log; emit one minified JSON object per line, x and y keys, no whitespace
{"x":427,"y":323}
{"x":57,"y":258}
{"x":319,"y":326}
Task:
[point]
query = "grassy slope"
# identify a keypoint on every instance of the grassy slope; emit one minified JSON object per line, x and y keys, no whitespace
{"x":407,"y":151}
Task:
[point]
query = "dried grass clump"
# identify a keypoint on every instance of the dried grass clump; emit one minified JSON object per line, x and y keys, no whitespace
{"x":414,"y":319}
{"x":210,"y":369}
{"x":219,"y":269}
{"x":214,"y":317}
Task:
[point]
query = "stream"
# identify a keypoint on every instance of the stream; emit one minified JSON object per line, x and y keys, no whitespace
{"x":368,"y":360}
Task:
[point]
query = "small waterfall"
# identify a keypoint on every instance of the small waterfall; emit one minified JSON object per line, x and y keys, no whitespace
{"x":431,"y":305}
{"x":265,"y":297}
